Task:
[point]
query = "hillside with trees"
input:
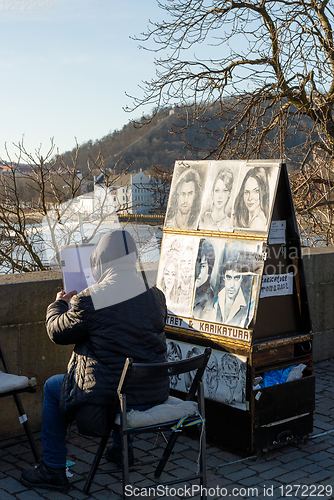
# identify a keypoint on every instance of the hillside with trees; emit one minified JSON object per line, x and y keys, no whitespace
{"x":156,"y":142}
{"x":134,"y":147}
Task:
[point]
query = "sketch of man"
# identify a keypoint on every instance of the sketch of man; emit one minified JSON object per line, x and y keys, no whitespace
{"x":230,"y":376}
{"x":189,"y":377}
{"x":173,"y":354}
{"x":185,"y":201}
{"x":211,"y":375}
{"x":186,"y":282}
{"x":204,"y":294}
{"x":231,"y":305}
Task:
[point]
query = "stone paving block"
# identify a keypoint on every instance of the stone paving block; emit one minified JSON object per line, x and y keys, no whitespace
{"x":191,"y":454}
{"x":325,"y":418}
{"x":76,"y":494}
{"x":312,"y":468}
{"x":241,"y":474}
{"x":26,"y":495}
{"x":296,"y":464}
{"x":313,"y":447}
{"x":5,"y":466}
{"x":318,"y":477}
{"x":213,"y":462}
{"x":80,"y":483}
{"x":318,"y":456}
{"x":10,"y":485}
{"x":324,"y":426}
{"x":327,"y":463}
{"x":180,"y":472}
{"x":105,"y":495}
{"x":272,"y":473}
{"x":55,"y":495}
{"x":250,"y":481}
{"x":264,"y":465}
{"x":15,"y":473}
{"x":143,"y":445}
{"x":292,"y":456}
{"x":292,"y":476}
{"x":232,"y":466}
{"x":191,"y":465}
{"x":10,"y":459}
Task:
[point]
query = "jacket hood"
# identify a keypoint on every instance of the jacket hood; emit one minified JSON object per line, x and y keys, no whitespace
{"x":114,"y":247}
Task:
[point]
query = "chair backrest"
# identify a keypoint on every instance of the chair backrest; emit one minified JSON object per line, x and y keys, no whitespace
{"x":141,"y":371}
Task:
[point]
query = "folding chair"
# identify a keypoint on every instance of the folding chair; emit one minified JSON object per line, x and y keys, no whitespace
{"x":174,"y":415}
{"x":13,"y":385}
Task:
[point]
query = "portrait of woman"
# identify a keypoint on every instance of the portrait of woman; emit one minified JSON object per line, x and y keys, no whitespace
{"x":169,"y":281}
{"x":204,"y":293}
{"x":217,"y":217}
{"x":251,"y":209}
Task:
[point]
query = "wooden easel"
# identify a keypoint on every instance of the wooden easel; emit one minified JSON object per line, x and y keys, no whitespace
{"x":22,"y":415}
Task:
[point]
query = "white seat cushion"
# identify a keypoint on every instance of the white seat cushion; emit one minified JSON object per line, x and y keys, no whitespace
{"x":9,"y":382}
{"x":172,"y":409}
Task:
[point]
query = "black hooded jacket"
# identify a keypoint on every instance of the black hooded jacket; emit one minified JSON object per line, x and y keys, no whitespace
{"x":119,"y":317}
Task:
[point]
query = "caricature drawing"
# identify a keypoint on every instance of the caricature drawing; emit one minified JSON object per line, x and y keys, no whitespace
{"x":230,"y":376}
{"x":251,"y":209}
{"x":189,"y":377}
{"x":185,"y":201}
{"x":169,"y":281}
{"x":186,"y":282}
{"x":232,"y":305}
{"x":211,"y":376}
{"x":204,"y":293}
{"x":217,"y":216}
{"x":174,"y":353}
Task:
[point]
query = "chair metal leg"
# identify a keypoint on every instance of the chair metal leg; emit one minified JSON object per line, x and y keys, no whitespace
{"x":165,"y":456}
{"x":26,"y":426}
{"x":125,"y":455}
{"x":202,"y":442}
{"x":95,"y":464}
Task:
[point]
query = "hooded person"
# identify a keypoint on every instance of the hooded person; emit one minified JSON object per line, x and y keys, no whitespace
{"x":120,"y":316}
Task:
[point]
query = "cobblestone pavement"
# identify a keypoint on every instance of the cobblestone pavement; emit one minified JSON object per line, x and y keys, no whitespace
{"x":299,"y":470}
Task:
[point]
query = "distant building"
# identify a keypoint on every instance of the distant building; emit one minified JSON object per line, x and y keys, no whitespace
{"x":131,"y":193}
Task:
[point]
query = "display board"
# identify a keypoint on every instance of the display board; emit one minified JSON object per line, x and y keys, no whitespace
{"x":213,"y":248}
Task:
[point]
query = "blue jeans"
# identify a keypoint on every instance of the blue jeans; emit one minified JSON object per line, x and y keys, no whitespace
{"x":54,"y":427}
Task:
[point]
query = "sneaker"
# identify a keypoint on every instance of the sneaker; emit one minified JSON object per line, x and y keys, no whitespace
{"x":45,"y":477}
{"x":114,"y":455}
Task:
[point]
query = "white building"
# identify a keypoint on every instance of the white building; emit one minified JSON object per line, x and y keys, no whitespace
{"x":131,"y":194}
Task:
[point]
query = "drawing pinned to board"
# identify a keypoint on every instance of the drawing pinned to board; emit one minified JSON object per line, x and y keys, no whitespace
{"x":176,"y":274}
{"x":186,"y":195}
{"x":219,"y":195}
{"x":253,"y":203}
{"x":239,"y":270}
{"x":209,"y":256}
{"x":174,"y":353}
{"x":224,"y":378}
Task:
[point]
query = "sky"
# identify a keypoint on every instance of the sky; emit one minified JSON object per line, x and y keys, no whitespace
{"x":65,"y":68}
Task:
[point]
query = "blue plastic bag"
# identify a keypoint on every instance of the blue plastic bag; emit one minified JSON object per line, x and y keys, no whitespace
{"x":274,"y":377}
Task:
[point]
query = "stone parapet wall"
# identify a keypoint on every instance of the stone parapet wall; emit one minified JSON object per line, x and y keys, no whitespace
{"x":319,"y":275}
{"x":24,"y":299}
{"x":29,"y":351}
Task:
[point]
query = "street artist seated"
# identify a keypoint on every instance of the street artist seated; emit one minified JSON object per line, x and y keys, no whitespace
{"x":118,"y":317}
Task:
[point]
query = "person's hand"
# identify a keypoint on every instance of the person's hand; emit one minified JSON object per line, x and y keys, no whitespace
{"x":62,"y":295}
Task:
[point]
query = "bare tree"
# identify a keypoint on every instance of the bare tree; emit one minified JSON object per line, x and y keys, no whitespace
{"x":314,"y":201}
{"x":264,"y":87}
{"x":43,"y":206}
{"x":47,"y":203}
{"x":270,"y":75}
